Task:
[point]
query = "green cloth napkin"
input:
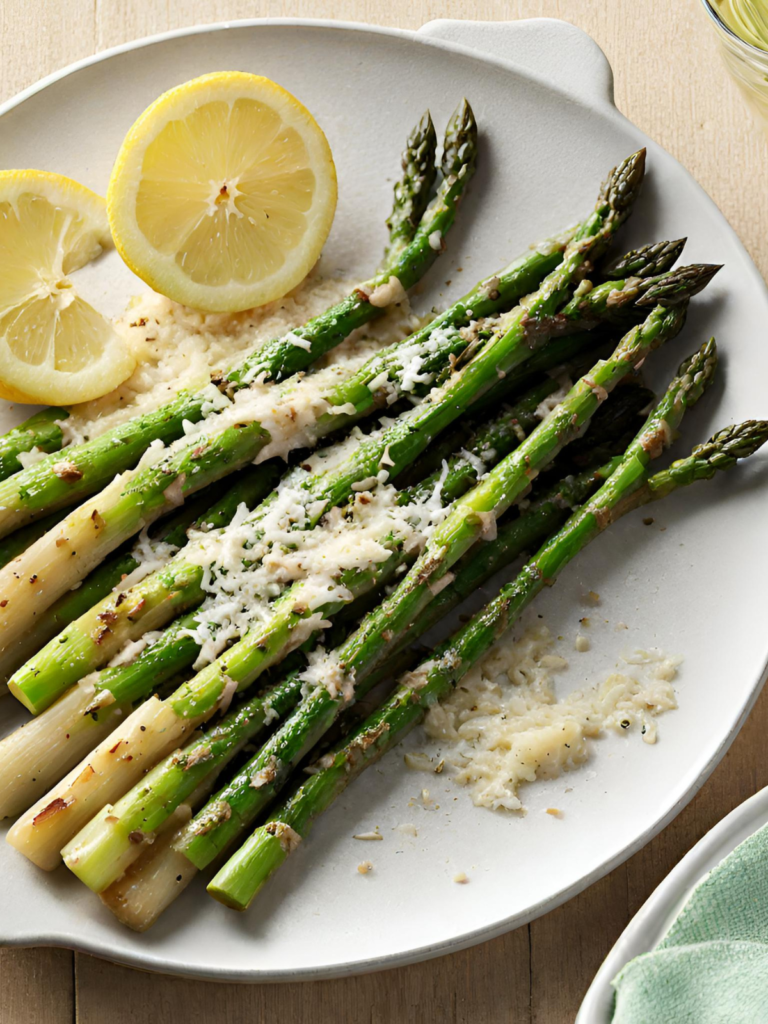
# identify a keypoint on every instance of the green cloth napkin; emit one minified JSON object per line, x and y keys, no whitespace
{"x":712,"y":965}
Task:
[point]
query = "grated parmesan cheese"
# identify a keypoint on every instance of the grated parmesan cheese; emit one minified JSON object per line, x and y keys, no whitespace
{"x":324,"y":669}
{"x":551,"y":402}
{"x":477,"y":464}
{"x":151,"y":555}
{"x":255,"y":559}
{"x":27,"y":459}
{"x":133,"y":648}
{"x":507,"y":726}
{"x":297,"y":341}
{"x":407,"y":829}
{"x":387,"y":294}
{"x":178,"y":347}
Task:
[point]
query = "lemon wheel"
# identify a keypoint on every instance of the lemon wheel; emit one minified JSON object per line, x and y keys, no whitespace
{"x":54,"y":347}
{"x":223,"y":193}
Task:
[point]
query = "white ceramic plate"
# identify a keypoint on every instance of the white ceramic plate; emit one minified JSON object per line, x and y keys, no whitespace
{"x":652,"y":921}
{"x":695,"y":589}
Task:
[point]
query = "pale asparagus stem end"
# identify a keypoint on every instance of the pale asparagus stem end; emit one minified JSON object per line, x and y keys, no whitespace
{"x":154,"y":881}
{"x":102,"y":777}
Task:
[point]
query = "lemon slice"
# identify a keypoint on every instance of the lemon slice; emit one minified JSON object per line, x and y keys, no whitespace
{"x":223,"y":193}
{"x":54,"y":347}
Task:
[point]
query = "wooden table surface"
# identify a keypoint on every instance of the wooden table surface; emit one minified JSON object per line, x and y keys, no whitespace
{"x":670,"y":82}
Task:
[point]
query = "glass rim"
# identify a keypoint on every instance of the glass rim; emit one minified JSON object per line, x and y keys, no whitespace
{"x":750,"y":48}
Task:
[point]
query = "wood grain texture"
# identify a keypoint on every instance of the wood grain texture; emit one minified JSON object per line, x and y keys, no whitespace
{"x":672,"y":85}
{"x":36,"y":985}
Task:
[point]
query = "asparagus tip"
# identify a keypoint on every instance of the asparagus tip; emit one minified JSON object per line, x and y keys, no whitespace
{"x":422,"y":142}
{"x":647,"y":261}
{"x":698,"y":371}
{"x":413,"y":189}
{"x":738,"y":441}
{"x":460,"y":143}
{"x":621,"y":188}
{"x":680,"y":285}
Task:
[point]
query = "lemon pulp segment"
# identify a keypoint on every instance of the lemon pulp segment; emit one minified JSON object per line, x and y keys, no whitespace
{"x":54,"y":346}
{"x":223,"y":193}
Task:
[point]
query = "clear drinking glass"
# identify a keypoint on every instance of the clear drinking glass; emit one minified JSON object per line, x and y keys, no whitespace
{"x":747,"y":64}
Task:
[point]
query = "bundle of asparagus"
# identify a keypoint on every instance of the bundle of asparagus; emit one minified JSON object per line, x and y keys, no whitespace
{"x":318,"y":582}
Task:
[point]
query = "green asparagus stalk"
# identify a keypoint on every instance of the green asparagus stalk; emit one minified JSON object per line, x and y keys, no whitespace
{"x":238,"y":882}
{"x":495,"y":439}
{"x":16,"y":543}
{"x":40,"y":431}
{"x":412,"y":191}
{"x":622,"y":302}
{"x":54,"y":483}
{"x":611,"y":430}
{"x":471,"y":517}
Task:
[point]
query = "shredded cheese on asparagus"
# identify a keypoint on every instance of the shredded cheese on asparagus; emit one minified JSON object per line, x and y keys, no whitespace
{"x":256,"y":558}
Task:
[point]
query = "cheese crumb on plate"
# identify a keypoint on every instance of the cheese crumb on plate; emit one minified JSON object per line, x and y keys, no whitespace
{"x":505,"y":726}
